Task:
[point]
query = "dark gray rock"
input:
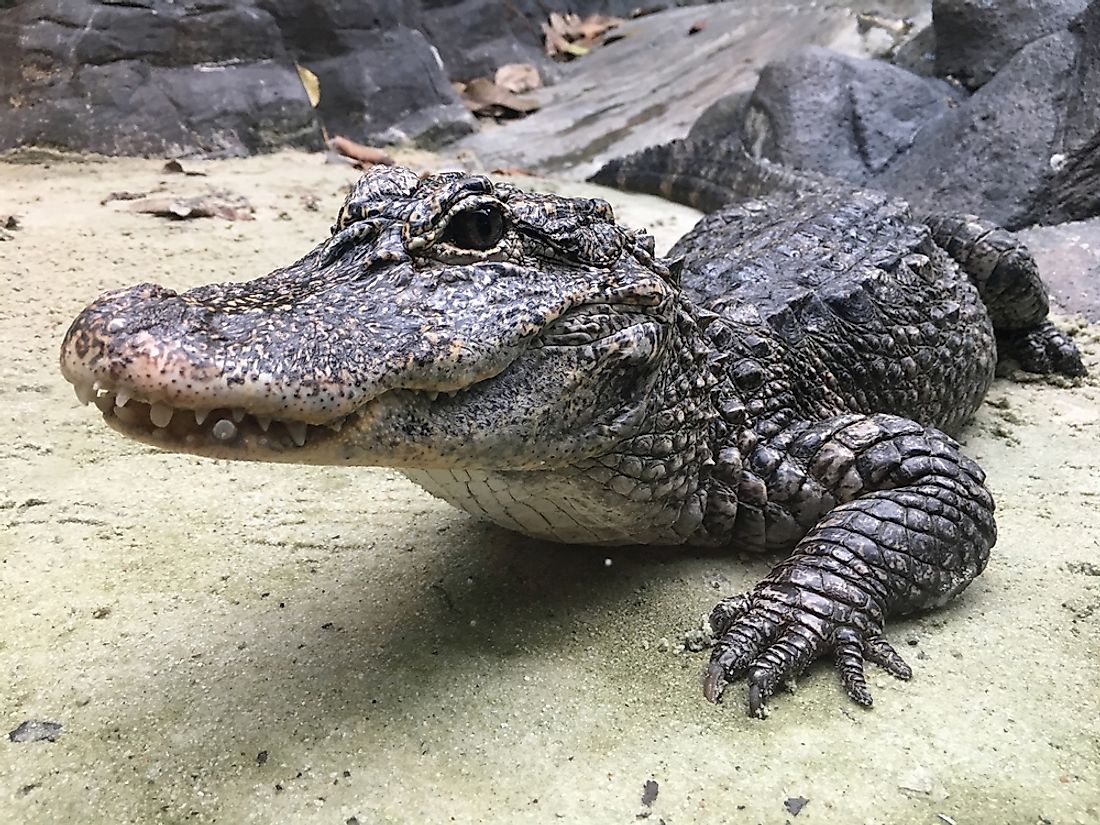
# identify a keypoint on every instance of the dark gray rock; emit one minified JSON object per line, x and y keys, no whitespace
{"x":391,"y":89}
{"x":975,"y":38}
{"x":650,"y":86}
{"x":721,"y":121}
{"x":149,"y":77}
{"x":34,"y":730}
{"x":918,"y":53}
{"x":992,"y":155}
{"x":1074,"y":190}
{"x":839,"y":115}
{"x":182,"y":77}
{"x":1023,"y":149}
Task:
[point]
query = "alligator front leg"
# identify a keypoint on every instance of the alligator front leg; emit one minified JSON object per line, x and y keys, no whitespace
{"x":892,"y":519}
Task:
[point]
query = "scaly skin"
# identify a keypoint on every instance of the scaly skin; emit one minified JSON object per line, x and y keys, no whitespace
{"x":783,"y":387}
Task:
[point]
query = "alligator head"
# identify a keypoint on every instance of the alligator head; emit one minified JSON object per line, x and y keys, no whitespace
{"x":448,"y":321}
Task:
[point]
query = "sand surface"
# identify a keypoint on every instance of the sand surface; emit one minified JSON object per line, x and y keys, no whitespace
{"x":256,"y":643}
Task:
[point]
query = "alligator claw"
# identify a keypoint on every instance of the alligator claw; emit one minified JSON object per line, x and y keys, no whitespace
{"x":773,"y":641}
{"x":1043,"y":349}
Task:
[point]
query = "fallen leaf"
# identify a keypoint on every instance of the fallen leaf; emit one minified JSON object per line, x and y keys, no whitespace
{"x":364,"y":155}
{"x":226,"y":207}
{"x":570,"y":35}
{"x":311,"y":83}
{"x":484,"y":97}
{"x":649,"y":792}
{"x":122,"y":196}
{"x":517,"y":77}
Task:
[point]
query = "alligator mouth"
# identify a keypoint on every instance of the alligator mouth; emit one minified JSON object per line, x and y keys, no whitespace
{"x":223,"y":428}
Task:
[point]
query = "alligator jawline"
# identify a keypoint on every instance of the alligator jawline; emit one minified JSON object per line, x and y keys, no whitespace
{"x":223,"y":428}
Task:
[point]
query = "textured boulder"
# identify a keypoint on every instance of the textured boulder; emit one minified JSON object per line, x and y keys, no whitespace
{"x":992,"y":155}
{"x":975,"y":38}
{"x":381,"y":79}
{"x":840,"y":115}
{"x":218,"y":77}
{"x":1022,"y":149}
{"x":1074,"y":190}
{"x":149,"y":78}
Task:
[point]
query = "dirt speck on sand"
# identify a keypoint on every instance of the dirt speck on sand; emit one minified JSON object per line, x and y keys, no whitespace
{"x":246,"y":609}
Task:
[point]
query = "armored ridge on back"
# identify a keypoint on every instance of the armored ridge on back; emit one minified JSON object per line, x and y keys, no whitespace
{"x":783,"y":385}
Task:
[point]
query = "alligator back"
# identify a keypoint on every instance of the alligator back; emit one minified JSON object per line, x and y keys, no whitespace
{"x":862,"y":309}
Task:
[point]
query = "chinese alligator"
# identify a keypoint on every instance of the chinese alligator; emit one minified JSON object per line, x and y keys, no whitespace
{"x":783,"y":381}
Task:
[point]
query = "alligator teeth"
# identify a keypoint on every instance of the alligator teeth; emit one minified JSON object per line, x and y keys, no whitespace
{"x":337,"y":425}
{"x":84,"y":393}
{"x":105,"y":402}
{"x":224,"y":430}
{"x":237,"y":414}
{"x":160,"y":415}
{"x":432,"y":396}
{"x":297,"y":432}
{"x":263,"y":421}
{"x":200,"y":416}
{"x":121,"y":397}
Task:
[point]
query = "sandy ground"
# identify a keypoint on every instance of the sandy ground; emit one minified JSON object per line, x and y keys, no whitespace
{"x":248,"y":643}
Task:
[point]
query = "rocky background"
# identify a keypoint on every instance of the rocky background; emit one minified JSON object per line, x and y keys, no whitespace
{"x":218,"y":77}
{"x":992,"y":108}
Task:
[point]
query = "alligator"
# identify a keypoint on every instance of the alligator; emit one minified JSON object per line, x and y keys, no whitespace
{"x":787,"y":379}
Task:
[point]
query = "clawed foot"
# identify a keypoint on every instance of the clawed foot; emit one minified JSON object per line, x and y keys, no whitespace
{"x":1043,"y":349}
{"x":773,"y":633}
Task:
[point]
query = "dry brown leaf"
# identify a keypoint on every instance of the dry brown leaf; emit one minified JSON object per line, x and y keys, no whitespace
{"x":122,"y":196}
{"x":570,"y":35}
{"x":223,"y":206}
{"x":484,"y":97}
{"x":517,"y":77}
{"x":311,"y":83}
{"x":363,"y":155}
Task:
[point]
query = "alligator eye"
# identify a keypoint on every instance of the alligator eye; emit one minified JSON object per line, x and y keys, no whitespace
{"x":479,"y":229}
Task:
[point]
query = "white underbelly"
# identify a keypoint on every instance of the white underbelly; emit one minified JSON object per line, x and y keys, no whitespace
{"x":554,"y":506}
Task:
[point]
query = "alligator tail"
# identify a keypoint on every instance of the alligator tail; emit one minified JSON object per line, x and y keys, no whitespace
{"x":701,"y":173}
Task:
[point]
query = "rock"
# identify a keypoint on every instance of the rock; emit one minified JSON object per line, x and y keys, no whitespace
{"x":842,"y":116}
{"x":975,"y":38}
{"x":158,"y":77}
{"x":721,"y":121}
{"x":650,"y":86}
{"x":149,"y":77}
{"x":34,"y":730}
{"x":918,"y":53}
{"x":1068,"y":256}
{"x":1023,"y":149}
{"x":390,"y":90}
{"x":1074,"y":191}
{"x":991,"y":155}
